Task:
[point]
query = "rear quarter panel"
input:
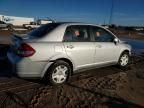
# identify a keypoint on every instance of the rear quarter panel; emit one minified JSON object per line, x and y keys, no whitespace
{"x":48,"y":51}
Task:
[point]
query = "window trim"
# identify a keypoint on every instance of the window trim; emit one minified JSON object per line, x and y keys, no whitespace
{"x":94,"y":40}
{"x":88,"y":31}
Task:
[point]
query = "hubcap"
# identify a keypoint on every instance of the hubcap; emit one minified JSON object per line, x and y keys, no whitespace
{"x":124,"y":60}
{"x":60,"y":74}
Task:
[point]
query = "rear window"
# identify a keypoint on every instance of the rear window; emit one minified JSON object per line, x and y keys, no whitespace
{"x":43,"y":30}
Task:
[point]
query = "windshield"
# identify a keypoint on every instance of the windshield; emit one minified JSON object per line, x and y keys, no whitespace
{"x":43,"y":30}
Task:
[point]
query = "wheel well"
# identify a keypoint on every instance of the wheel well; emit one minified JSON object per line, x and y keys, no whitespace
{"x":64,"y":59}
{"x":69,"y":62}
{"x":125,"y":51}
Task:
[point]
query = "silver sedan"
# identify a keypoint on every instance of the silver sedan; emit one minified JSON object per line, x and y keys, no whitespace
{"x":57,"y":50}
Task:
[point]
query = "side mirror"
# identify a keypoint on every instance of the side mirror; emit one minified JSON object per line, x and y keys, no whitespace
{"x":116,"y":40}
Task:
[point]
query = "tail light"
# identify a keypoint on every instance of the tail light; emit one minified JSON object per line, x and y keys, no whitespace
{"x":25,"y":50}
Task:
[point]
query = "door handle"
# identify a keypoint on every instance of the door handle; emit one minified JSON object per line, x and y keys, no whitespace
{"x":70,"y":46}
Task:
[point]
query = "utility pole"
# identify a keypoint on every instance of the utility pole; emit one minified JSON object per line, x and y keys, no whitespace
{"x":111,"y":13}
{"x":104,"y":23}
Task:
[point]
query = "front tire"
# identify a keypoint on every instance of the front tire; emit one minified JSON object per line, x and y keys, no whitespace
{"x":58,"y":73}
{"x":124,"y":60}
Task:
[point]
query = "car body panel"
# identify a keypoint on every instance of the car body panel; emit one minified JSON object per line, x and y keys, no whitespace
{"x":82,"y":53}
{"x":106,"y":52}
{"x":3,"y":25}
{"x":51,"y":48}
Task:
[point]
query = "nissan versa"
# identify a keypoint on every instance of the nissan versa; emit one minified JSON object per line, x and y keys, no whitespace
{"x":57,"y":50}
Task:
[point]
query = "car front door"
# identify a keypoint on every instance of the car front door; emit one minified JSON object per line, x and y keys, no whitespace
{"x":78,"y":46}
{"x":106,"y":51}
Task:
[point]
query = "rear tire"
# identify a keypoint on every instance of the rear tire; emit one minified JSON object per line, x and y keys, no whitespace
{"x":58,"y":73}
{"x":124,"y":60}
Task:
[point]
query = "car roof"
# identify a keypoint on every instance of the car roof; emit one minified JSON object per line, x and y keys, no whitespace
{"x":76,"y":23}
{"x":66,"y":24}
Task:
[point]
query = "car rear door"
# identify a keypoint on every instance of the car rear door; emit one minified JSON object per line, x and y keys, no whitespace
{"x":78,"y":46}
{"x":106,"y":51}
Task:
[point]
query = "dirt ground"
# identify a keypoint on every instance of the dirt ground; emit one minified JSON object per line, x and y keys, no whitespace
{"x":108,"y":87}
{"x":128,"y":34}
{"x":5,"y":35}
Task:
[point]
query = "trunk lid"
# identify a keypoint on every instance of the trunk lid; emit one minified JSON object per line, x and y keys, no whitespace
{"x":18,"y":39}
{"x":20,"y":45}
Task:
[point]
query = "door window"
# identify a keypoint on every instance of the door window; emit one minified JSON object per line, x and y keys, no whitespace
{"x":101,"y":35}
{"x":77,"y":34}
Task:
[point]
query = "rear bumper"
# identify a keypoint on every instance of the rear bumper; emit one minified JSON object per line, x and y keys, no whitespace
{"x":26,"y":68}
